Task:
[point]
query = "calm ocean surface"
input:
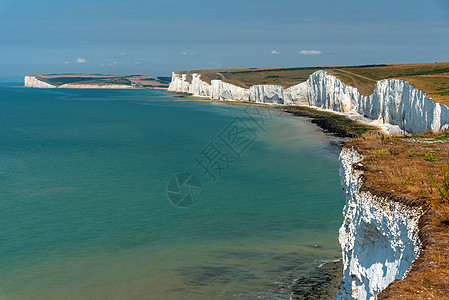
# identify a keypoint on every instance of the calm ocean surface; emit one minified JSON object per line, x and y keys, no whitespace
{"x":84,"y":212}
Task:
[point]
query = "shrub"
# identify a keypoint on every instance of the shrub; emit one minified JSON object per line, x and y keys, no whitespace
{"x":403,"y":179}
{"x":442,"y":188}
{"x":429,"y":156}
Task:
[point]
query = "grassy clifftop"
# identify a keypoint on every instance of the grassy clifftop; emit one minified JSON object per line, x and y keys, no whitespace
{"x":432,"y":78}
{"x":137,"y":80}
{"x":414,"y":170}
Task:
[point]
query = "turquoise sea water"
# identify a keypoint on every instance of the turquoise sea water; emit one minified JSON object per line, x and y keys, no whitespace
{"x":84,"y":212}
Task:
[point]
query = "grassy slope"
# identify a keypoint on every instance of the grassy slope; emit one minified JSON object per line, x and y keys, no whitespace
{"x":432,"y":78}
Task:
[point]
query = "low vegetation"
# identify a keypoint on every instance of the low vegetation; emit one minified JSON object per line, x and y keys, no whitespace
{"x":336,"y":124}
{"x":443,"y":185}
{"x":414,"y":170}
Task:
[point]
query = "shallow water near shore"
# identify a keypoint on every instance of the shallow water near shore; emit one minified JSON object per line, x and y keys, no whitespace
{"x":84,"y":211}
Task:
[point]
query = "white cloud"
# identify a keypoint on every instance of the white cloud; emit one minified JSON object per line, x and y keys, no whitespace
{"x":274,"y":52}
{"x":185,"y":53}
{"x":81,"y":61}
{"x":310,"y":52}
{"x":114,"y":63}
{"x":138,"y":62}
{"x":66,"y":63}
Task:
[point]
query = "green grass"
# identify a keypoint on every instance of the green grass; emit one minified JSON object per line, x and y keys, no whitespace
{"x":429,"y":72}
{"x":402,"y":179}
{"x":60,"y":80}
{"x":443,"y":187}
{"x":64,"y":80}
{"x":430,"y":156}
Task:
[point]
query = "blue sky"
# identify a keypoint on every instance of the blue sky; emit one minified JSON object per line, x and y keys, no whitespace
{"x":155,"y":37}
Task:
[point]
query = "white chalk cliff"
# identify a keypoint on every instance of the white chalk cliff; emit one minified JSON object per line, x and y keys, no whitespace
{"x":379,"y":237}
{"x":394,"y":102}
{"x":31,"y":81}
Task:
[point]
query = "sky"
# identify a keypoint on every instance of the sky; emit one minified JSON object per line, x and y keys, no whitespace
{"x":156,"y":37}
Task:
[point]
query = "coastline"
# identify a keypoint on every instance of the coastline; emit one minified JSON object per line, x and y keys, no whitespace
{"x":426,"y":230}
{"x":330,"y":122}
{"x":276,"y":255}
{"x":328,"y":127}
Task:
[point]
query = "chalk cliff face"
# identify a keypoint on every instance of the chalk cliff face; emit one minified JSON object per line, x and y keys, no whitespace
{"x":31,"y":81}
{"x":397,"y":102}
{"x":379,"y":237}
{"x":393,"y":102}
{"x":224,"y":91}
{"x":326,"y":91}
{"x":271,"y":94}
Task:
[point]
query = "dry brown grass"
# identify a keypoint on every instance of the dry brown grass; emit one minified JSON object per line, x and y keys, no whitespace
{"x":432,"y":78}
{"x":397,"y":167}
{"x":285,"y":77}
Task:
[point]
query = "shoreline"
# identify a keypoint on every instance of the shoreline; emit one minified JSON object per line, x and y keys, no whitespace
{"x":322,"y":283}
{"x":337,"y":124}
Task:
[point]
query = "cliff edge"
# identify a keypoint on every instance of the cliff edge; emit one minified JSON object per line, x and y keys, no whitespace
{"x":393,"y":245}
{"x":395,"y":105}
{"x":379,"y":237}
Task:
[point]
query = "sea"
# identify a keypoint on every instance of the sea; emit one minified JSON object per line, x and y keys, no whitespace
{"x":143,"y":194}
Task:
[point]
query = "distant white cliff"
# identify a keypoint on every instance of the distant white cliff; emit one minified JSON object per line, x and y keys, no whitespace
{"x":379,"y":237}
{"x":31,"y":81}
{"x":393,"y":103}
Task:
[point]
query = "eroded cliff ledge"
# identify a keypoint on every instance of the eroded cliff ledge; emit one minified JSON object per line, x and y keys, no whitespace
{"x":379,"y":236}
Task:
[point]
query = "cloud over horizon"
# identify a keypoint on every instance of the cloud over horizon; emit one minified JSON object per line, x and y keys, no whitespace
{"x":310,"y":52}
{"x":81,"y":61}
{"x":274,"y":52}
